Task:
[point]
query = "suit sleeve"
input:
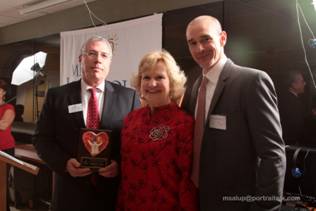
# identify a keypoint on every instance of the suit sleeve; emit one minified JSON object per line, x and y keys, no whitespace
{"x":132,"y":104}
{"x":45,"y":138}
{"x":136,"y":101}
{"x":264,"y":124}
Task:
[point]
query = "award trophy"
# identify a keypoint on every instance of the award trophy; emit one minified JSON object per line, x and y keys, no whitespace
{"x":94,"y":148}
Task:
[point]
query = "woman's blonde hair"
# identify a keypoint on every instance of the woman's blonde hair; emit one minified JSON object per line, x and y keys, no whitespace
{"x":176,"y":76}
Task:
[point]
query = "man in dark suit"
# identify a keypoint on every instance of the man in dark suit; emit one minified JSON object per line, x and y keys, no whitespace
{"x":292,"y":109}
{"x":240,"y":163}
{"x":58,"y":131}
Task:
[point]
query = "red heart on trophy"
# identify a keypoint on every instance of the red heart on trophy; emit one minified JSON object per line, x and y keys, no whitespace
{"x":95,"y":143}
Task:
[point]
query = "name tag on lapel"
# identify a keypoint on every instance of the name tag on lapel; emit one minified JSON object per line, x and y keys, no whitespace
{"x":217,"y":122}
{"x":74,"y":108}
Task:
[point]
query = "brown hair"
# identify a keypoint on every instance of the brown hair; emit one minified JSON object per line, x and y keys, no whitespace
{"x":3,"y":85}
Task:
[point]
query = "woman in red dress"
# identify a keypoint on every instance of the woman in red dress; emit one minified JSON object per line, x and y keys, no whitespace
{"x":156,"y":149}
{"x":7,"y":115}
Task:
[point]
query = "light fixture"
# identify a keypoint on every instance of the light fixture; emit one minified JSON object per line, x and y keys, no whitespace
{"x":41,"y":5}
{"x":29,"y":68}
{"x":312,"y":43}
{"x":314,"y":4}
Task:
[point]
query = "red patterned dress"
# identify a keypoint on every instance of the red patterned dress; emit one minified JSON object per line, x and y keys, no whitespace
{"x":156,"y":161}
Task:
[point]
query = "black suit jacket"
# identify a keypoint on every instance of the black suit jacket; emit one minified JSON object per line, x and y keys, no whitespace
{"x":56,"y":141}
{"x":248,"y":157}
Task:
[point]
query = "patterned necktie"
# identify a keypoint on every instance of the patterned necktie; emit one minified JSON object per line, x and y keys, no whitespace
{"x":198,"y":131}
{"x":93,"y":123}
{"x":93,"y":110}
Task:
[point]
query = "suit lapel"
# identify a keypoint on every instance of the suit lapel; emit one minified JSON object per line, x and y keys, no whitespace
{"x":107,"y":110}
{"x":75,"y":98}
{"x":225,"y":74}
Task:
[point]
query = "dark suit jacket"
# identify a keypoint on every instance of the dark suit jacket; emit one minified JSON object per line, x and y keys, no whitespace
{"x":56,"y":141}
{"x":248,"y":157}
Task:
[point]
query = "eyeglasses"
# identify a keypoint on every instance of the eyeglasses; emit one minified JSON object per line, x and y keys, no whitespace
{"x":95,"y":54}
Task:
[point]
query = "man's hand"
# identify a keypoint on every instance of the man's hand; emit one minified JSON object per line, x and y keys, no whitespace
{"x":73,"y":168}
{"x":110,"y":170}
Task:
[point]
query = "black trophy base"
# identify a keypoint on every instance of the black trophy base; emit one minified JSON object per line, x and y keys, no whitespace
{"x":94,"y":163}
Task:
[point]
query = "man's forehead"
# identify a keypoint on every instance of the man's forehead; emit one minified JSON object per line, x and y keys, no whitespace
{"x":204,"y":25}
{"x":202,"y":33}
{"x":99,"y":43}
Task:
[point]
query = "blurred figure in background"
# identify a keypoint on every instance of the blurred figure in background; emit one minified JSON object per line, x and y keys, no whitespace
{"x":7,"y":115}
{"x":291,"y":108}
{"x":309,"y":139}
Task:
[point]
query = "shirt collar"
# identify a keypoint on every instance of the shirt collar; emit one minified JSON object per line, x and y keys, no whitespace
{"x":213,"y":74}
{"x":85,"y":87}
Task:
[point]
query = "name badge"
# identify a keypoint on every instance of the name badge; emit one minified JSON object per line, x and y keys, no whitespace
{"x":74,"y":108}
{"x":217,"y":122}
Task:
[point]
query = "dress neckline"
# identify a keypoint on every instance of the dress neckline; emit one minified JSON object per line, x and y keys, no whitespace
{"x":161,"y":108}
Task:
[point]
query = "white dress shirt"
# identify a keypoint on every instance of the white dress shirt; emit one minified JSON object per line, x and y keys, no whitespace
{"x":212,"y":75}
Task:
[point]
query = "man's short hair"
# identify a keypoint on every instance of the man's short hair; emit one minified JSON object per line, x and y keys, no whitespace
{"x":96,"y":38}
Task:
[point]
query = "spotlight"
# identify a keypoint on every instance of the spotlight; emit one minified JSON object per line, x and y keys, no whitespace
{"x":29,"y":68}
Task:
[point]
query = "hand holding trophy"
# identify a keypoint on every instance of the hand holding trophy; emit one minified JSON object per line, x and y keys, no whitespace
{"x":94,"y":148}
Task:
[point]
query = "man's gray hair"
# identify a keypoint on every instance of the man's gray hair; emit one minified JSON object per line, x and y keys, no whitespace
{"x":96,"y":38}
